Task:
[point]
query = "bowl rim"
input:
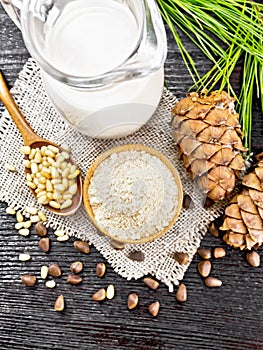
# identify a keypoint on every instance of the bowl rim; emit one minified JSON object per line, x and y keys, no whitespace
{"x":133,"y":147}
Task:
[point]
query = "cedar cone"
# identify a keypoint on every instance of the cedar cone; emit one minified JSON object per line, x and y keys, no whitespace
{"x":243,"y":219}
{"x":208,"y":134}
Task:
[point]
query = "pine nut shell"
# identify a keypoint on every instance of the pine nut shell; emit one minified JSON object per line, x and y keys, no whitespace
{"x":181,"y":294}
{"x":151,"y":283}
{"x":59,"y":303}
{"x":213,"y":282}
{"x":204,"y":268}
{"x":28,"y":280}
{"x":100,"y":295}
{"x":154,"y":308}
{"x":132,"y":301}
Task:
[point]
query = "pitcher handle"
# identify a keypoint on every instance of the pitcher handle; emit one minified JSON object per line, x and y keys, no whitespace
{"x":15,"y":3}
{"x":13,"y":8}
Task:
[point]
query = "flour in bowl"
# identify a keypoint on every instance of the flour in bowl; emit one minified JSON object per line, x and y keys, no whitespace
{"x":133,"y":195}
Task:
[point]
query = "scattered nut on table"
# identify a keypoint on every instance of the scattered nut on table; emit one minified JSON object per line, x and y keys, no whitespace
{"x":151,"y":283}
{"x":204,"y":268}
{"x":76,"y":267}
{"x":82,"y":246}
{"x":219,"y":252}
{"x":154,"y":308}
{"x":28,"y":280}
{"x":44,"y":244}
{"x":253,"y":258}
{"x":59,"y":303}
{"x":204,"y":253}
{"x":100,"y":269}
{"x":181,"y":294}
{"x":41,"y":229}
{"x":74,"y":279}
{"x":213,"y":282}
{"x":132,"y":301}
{"x":54,"y":270}
{"x":100,"y":295}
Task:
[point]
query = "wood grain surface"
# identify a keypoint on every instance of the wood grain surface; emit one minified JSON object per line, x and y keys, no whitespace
{"x":230,"y":317}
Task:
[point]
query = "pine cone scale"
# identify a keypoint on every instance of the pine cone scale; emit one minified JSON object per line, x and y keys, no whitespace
{"x":249,"y":205}
{"x":206,"y":131}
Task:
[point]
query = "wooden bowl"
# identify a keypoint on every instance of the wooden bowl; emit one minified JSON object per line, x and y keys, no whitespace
{"x":133,"y":147}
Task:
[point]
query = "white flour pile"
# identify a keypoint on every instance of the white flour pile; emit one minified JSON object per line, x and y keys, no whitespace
{"x":133,"y":194}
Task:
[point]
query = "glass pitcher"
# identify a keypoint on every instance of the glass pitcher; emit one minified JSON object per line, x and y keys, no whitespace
{"x":101,"y":60}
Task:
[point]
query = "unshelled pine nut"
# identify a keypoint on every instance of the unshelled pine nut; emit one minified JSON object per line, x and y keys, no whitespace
{"x":219,"y":252}
{"x":204,"y":253}
{"x":154,"y":308}
{"x":54,"y":270}
{"x":74,"y":279}
{"x":82,"y":246}
{"x":213,"y":282}
{"x":213,"y":230}
{"x":59,"y":303}
{"x":100,"y":269}
{"x":204,"y":268}
{"x":181,"y":258}
{"x":28,"y":280}
{"x":44,"y":244}
{"x":253,"y":258}
{"x":100,"y":295}
{"x":41,"y":229}
{"x":133,"y":300}
{"x":76,"y":267}
{"x":181,"y":294}
{"x":151,"y":283}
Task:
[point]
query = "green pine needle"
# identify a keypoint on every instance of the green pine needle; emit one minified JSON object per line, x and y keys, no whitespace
{"x":237,"y":25}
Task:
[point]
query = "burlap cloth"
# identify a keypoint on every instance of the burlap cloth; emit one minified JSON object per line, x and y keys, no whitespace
{"x":186,"y":234}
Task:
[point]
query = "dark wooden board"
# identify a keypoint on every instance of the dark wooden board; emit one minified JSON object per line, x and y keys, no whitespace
{"x":230,"y":317}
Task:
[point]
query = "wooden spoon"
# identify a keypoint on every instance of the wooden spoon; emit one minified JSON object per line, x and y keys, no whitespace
{"x":33,"y":140}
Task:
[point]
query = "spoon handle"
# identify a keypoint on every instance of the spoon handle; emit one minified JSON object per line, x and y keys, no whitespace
{"x":25,"y":129}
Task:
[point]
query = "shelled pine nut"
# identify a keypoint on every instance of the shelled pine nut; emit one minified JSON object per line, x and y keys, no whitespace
{"x":10,"y":167}
{"x":46,"y":164}
{"x":10,"y":211}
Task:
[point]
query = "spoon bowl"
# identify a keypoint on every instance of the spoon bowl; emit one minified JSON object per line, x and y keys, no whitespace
{"x":35,"y":141}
